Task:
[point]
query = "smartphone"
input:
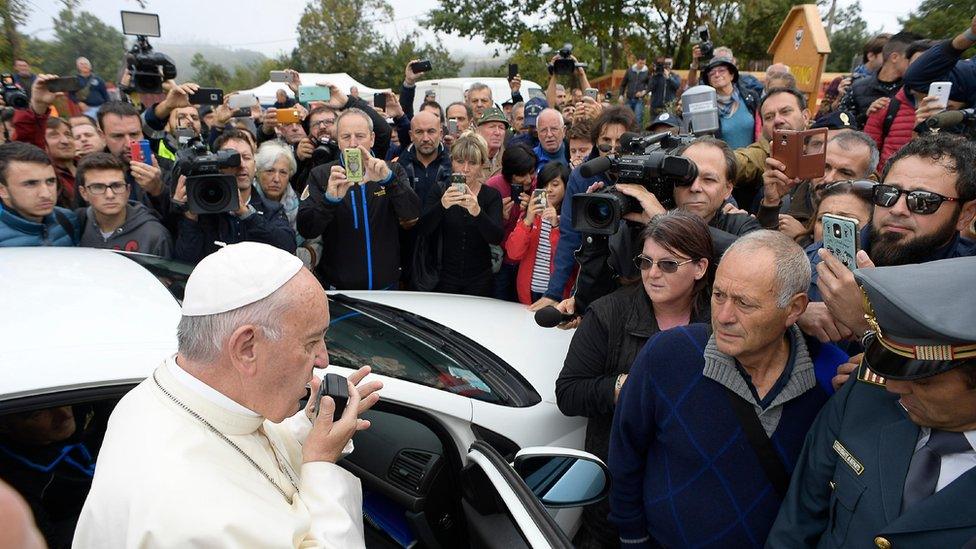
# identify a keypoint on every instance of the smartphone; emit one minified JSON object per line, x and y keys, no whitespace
{"x":421,"y":66}
{"x":64,"y":84}
{"x":314,"y":93}
{"x":452,"y":126}
{"x":591,"y":92}
{"x":512,"y":70}
{"x":379,"y":100}
{"x":335,"y":386}
{"x":353,"y":160}
{"x":141,"y":151}
{"x":288,"y":116}
{"x":459,"y":182}
{"x":242,"y":100}
{"x":207,"y":96}
{"x":803,"y":153}
{"x":517,"y":191}
{"x":540,"y":196}
{"x":941,"y":90}
{"x":279,"y":76}
{"x":840,"y":237}
{"x":243,"y":112}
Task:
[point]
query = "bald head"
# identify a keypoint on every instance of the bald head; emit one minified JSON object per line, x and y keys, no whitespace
{"x":16,"y":522}
{"x":426,"y":133}
{"x":551,"y":129}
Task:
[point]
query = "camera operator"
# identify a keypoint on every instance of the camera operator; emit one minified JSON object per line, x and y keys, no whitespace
{"x":172,"y":113}
{"x":93,"y":92}
{"x":663,"y":86}
{"x":553,"y":97}
{"x":359,"y":223}
{"x":318,"y":148}
{"x":256,"y":219}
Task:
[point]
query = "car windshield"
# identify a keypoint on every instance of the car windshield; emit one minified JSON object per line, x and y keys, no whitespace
{"x":358,"y":336}
{"x":171,"y":273}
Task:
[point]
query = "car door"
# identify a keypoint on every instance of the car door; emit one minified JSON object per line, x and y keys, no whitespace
{"x":502,"y":511}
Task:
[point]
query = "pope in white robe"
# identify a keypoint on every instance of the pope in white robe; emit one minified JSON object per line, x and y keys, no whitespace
{"x":185,"y":465}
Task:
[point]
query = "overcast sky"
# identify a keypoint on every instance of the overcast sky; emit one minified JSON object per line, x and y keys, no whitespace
{"x":269,"y":26}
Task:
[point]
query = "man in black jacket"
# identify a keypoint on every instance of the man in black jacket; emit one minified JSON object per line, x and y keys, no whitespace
{"x":257,"y":219}
{"x":872,"y":93}
{"x":358,"y":222}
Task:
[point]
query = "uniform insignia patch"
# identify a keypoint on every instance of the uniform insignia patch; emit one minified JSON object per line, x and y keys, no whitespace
{"x":380,"y":192}
{"x":866,"y":375}
{"x":848,"y":457}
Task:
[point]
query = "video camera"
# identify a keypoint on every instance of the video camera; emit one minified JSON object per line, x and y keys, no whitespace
{"x":13,"y":96}
{"x":565,"y":65}
{"x":208,"y":190}
{"x":648,"y":161}
{"x":705,"y":45}
{"x":148,"y":69}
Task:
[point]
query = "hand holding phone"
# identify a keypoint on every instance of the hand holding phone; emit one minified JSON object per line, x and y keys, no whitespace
{"x":803,"y":153}
{"x":937,"y":89}
{"x":421,"y":66}
{"x":379,"y":100}
{"x":513,"y":70}
{"x":353,"y":160}
{"x":63,"y":84}
{"x":207,"y":96}
{"x":840,"y":238}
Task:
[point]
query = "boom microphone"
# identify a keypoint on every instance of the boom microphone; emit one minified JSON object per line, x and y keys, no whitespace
{"x":598,"y":165}
{"x":948,"y":119}
{"x":550,"y":317}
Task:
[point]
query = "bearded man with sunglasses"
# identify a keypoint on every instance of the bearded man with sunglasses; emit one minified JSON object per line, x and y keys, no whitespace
{"x":928,"y":195}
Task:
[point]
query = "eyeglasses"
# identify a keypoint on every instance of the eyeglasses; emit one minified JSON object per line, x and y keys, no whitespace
{"x":920,"y":202}
{"x":99,"y":188}
{"x":669,"y":266}
{"x":863,"y":188}
{"x":324,"y":123}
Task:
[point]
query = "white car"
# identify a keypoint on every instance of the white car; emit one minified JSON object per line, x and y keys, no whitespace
{"x":468,"y":389}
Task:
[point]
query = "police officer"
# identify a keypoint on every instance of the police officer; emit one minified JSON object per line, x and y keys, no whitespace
{"x":890,"y":461}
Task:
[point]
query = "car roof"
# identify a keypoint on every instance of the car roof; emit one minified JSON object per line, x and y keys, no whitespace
{"x":80,"y":317}
{"x":506,"y":329}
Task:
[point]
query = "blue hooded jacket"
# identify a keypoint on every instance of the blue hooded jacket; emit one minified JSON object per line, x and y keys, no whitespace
{"x":17,"y":231}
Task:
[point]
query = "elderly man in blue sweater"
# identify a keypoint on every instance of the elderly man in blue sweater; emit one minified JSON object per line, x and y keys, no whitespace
{"x":703,"y":402}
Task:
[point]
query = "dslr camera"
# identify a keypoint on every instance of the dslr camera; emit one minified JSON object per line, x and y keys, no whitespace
{"x":326,"y":150}
{"x":13,"y":96}
{"x":148,"y":69}
{"x":648,"y":161}
{"x":564,"y":65}
{"x":705,"y":44}
{"x":208,"y":191}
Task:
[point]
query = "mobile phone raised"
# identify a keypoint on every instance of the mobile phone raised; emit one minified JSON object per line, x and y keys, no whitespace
{"x":512,"y":70}
{"x":63,"y":84}
{"x":379,"y":100}
{"x":452,"y":126}
{"x":592,"y":92}
{"x":353,"y":160}
{"x":421,"y":66}
{"x":335,"y":386}
{"x":840,"y":237}
{"x":207,"y":96}
{"x":941,"y":90}
{"x":242,"y":100}
{"x":803,"y":153}
{"x":314,"y":93}
{"x":141,"y":151}
{"x":459,"y":182}
{"x":540,"y":196}
{"x":278,"y":76}
{"x":288,"y":116}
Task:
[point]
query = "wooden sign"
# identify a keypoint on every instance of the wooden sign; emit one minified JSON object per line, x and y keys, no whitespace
{"x":802,"y":44}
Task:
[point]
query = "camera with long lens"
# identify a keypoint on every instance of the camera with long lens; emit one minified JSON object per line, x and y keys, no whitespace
{"x":13,"y":96}
{"x":326,"y":150}
{"x":705,"y":45}
{"x":147,"y":69}
{"x":208,"y":191}
{"x":648,"y":161}
{"x":565,"y":65}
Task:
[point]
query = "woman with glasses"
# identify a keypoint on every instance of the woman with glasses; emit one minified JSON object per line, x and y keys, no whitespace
{"x":275,"y":163}
{"x":676,"y":268}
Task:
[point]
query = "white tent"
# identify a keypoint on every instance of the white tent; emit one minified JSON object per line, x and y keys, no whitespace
{"x":266,"y":92}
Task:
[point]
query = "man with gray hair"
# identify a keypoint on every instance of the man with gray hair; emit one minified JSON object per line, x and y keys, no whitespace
{"x":552,"y":146}
{"x":93,"y":91}
{"x":712,"y":418}
{"x":212,"y":449}
{"x":479,"y":99}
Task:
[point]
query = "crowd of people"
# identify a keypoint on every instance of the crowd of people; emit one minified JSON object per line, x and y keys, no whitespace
{"x":719,"y":349}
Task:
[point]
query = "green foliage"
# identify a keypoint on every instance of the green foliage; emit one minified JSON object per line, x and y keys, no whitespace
{"x":209,"y":74}
{"x":389,"y":59}
{"x":847,"y":39}
{"x":940,"y":18}
{"x":84,"y":35}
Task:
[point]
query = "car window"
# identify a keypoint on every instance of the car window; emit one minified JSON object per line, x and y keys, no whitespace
{"x":356,"y":338}
{"x":171,"y":273}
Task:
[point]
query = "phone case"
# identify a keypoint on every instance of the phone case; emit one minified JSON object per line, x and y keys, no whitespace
{"x":207,"y":96}
{"x":788,"y":148}
{"x":245,"y":101}
{"x":459,"y":182}
{"x":335,"y":386}
{"x":135,"y":151}
{"x":353,"y":159}
{"x":540,"y":196}
{"x":314,"y":93}
{"x":941,"y":90}
{"x":452,"y":125}
{"x":591,"y":92}
{"x":278,"y":76}
{"x":288,"y":116}
{"x":840,"y":238}
{"x":379,"y":100}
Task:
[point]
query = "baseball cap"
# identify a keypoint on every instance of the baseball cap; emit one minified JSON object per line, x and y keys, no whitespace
{"x":532,"y":109}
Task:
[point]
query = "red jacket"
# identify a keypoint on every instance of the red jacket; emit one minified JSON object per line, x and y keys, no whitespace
{"x":900,"y":132}
{"x":30,"y":127}
{"x":521,"y":246}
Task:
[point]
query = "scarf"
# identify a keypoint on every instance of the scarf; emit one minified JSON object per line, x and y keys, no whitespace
{"x":727,"y":103}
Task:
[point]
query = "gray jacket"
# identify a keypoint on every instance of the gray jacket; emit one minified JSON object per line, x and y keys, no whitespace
{"x":142,"y":232}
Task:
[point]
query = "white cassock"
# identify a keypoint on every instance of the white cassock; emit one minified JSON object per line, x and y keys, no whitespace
{"x":164,"y":479}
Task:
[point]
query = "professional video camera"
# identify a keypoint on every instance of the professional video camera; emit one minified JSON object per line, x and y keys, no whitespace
{"x":207,"y":189}
{"x":148,"y":69}
{"x":565,"y":65}
{"x":705,"y":44}
{"x":13,"y":96}
{"x":648,"y":161}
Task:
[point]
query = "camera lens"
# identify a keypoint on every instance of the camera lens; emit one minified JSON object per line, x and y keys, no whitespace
{"x":836,"y":231}
{"x":599,"y":213}
{"x":211,"y":195}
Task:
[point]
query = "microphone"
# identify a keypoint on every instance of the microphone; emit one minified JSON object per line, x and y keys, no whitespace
{"x":626,"y":139}
{"x":599,"y":164}
{"x":550,"y":317}
{"x":948,"y":119}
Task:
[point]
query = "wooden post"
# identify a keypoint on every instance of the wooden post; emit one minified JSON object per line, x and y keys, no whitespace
{"x":802,"y":44}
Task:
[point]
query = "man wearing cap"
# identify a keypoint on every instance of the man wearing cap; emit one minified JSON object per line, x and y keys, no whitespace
{"x":891,"y":460}
{"x":528,"y":134}
{"x":493,"y":126}
{"x":209,"y":450}
{"x":665,"y":122}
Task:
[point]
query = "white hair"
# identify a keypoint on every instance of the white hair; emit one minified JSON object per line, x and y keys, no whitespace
{"x":270,"y":151}
{"x":793,"y":270}
{"x":200,"y":338}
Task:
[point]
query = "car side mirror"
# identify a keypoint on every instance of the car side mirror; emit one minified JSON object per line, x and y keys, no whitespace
{"x":563,"y":478}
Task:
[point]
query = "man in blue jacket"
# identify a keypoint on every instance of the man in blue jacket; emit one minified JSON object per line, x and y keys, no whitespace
{"x":28,"y":192}
{"x":942,"y":62}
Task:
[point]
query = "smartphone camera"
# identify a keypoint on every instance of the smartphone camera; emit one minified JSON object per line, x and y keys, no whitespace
{"x":835,"y":229}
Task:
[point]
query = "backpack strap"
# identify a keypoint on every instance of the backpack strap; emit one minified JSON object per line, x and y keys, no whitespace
{"x":65,"y":223}
{"x":893,"y":106}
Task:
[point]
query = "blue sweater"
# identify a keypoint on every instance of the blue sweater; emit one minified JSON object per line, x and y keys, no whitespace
{"x":683,"y":471}
{"x":17,"y":231}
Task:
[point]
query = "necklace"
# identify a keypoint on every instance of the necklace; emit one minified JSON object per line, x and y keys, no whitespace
{"x":250,"y":460}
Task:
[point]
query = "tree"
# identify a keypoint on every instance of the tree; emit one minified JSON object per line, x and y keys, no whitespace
{"x":209,"y":74}
{"x":84,"y":35}
{"x":386,"y":63}
{"x":848,"y":39}
{"x":337,"y":35}
{"x":940,"y":18}
{"x":13,"y":13}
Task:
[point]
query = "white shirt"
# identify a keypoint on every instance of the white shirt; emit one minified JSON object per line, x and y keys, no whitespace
{"x":953,"y":465}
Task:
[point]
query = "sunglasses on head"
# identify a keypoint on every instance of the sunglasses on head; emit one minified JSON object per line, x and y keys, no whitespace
{"x":920,"y":202}
{"x":669,"y":266}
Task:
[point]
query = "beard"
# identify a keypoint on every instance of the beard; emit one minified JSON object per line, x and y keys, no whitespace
{"x":888,"y":250}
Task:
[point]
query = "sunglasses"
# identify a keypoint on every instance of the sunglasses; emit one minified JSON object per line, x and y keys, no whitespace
{"x":669,"y":266}
{"x":920,"y":202}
